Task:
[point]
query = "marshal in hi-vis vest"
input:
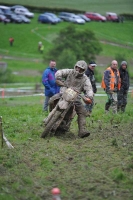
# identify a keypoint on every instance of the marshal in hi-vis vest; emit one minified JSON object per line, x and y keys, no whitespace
{"x":112,"y":80}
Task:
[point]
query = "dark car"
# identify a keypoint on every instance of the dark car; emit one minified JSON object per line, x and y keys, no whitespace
{"x":14,"y":18}
{"x":1,"y":12}
{"x":46,"y":19}
{"x":5,"y":9}
{"x":95,"y":16}
{"x":53,"y":15}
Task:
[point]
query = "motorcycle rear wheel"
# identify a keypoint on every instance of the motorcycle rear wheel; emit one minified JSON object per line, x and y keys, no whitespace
{"x":50,"y":125}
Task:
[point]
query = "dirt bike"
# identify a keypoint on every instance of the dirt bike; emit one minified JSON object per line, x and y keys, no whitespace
{"x":61,"y":116}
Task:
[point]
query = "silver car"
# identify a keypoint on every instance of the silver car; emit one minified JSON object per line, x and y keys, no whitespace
{"x":71,"y":17}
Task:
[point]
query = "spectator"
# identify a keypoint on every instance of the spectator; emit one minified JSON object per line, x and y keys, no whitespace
{"x":48,"y":80}
{"x":90,"y":74}
{"x":111,"y":85}
{"x":42,"y":48}
{"x":123,"y":92}
{"x":11,"y":40}
{"x":39,"y":45}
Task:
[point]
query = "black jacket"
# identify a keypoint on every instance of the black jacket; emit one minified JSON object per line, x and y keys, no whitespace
{"x":124,"y":75}
{"x":91,"y":76}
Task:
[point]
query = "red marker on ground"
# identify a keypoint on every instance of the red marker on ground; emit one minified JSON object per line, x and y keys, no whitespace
{"x":56,"y":194}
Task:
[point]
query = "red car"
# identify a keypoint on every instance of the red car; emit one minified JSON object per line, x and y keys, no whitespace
{"x":95,"y":17}
{"x":112,"y":17}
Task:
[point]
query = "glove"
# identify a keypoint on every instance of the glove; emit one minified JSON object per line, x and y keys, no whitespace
{"x":87,"y":100}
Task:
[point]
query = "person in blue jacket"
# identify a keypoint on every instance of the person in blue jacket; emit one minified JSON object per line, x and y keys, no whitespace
{"x":48,"y":80}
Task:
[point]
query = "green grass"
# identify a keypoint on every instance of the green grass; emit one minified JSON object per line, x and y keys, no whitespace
{"x":27,"y":37}
{"x":24,"y":55}
{"x":103,"y":6}
{"x":98,"y":167}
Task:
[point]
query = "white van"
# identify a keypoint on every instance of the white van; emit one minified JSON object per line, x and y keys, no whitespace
{"x":23,"y":11}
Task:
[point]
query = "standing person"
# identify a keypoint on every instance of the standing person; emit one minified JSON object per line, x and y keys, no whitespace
{"x":90,"y":74}
{"x":123,"y":92}
{"x":42,"y":48}
{"x":111,"y":85}
{"x":39,"y":45}
{"x":77,"y":79}
{"x":11,"y":40}
{"x":48,"y":80}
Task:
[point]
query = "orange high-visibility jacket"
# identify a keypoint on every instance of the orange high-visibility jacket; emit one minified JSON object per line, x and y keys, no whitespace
{"x":112,"y":79}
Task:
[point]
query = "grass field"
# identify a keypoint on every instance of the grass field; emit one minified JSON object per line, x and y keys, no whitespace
{"x":98,"y":167}
{"x":24,"y":54}
{"x":102,"y":6}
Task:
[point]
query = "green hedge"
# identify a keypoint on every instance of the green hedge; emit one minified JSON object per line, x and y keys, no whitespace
{"x":127,"y":16}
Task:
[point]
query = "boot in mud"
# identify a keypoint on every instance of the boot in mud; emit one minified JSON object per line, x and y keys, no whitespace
{"x":82,"y":127}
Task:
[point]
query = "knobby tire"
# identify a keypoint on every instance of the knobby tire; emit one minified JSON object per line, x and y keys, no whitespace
{"x":50,"y":124}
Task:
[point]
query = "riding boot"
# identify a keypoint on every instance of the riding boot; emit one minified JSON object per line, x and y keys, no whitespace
{"x":118,"y":108}
{"x":107,"y":105}
{"x":82,"y":126}
{"x":123,"y":108}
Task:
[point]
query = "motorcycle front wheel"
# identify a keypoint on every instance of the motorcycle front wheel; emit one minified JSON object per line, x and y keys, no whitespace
{"x":50,"y":125}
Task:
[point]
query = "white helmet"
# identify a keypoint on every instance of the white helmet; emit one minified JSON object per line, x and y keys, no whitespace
{"x":81,"y":64}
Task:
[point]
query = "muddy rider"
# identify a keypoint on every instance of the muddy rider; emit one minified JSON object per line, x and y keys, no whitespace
{"x":76,"y":78}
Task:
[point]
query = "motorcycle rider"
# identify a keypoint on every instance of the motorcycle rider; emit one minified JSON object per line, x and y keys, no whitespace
{"x":76,"y":79}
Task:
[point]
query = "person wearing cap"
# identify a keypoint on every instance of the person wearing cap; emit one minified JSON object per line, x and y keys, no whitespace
{"x":90,"y":74}
{"x":123,"y":92}
{"x":111,"y":84}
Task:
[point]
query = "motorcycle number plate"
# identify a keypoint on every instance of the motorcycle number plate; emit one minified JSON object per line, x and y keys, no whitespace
{"x":69,"y":94}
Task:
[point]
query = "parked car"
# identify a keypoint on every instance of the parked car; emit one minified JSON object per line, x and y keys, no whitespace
{"x":53,"y":15}
{"x":112,"y":17}
{"x":84,"y":17}
{"x":71,"y":17}
{"x":78,"y":20}
{"x":4,"y":19}
{"x":47,"y":19}
{"x":24,"y":19}
{"x":1,"y":12}
{"x":14,"y":18}
{"x":17,"y":6}
{"x":23,"y":11}
{"x":5,"y":10}
{"x":65,"y":16}
{"x":95,"y":16}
